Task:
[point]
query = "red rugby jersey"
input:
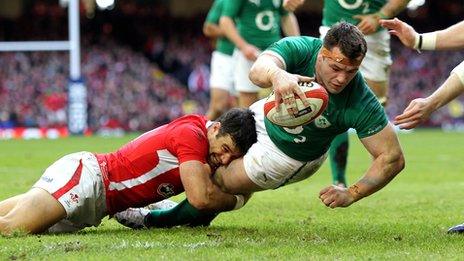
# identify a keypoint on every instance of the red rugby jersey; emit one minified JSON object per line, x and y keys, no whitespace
{"x":146,"y":170}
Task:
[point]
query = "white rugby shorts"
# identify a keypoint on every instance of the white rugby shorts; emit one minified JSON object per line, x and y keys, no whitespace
{"x":267,"y":166}
{"x":242,"y":70}
{"x":222,"y":71}
{"x":75,"y":181}
{"x":376,"y":64}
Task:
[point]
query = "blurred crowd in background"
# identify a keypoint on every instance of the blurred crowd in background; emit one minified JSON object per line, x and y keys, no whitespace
{"x":143,"y":67}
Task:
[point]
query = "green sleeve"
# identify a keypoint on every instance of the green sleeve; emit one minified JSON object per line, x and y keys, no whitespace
{"x":296,"y":51}
{"x":231,"y":8}
{"x":215,"y":12}
{"x":371,"y":117}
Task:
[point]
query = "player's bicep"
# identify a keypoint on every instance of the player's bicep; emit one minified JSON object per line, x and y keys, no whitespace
{"x":382,"y":143}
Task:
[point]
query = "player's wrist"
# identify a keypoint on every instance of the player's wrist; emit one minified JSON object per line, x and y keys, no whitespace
{"x":353,"y":190}
{"x":425,"y":41}
{"x":381,"y":15}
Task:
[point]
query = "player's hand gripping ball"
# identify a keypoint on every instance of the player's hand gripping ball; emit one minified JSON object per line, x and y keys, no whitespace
{"x":317,"y":97}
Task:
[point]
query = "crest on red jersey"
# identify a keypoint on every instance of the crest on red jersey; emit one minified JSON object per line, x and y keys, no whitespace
{"x":166,"y":190}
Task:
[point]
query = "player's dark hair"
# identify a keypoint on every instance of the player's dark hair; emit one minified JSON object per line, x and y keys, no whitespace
{"x":348,"y":38}
{"x":240,"y":124}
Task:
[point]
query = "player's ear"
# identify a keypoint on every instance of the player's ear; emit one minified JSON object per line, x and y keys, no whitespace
{"x":216,"y":126}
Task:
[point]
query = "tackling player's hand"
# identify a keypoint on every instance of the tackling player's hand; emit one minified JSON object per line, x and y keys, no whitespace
{"x":250,"y":51}
{"x":368,"y":24}
{"x":292,"y":5}
{"x":286,"y":88}
{"x":417,"y":112}
{"x":335,"y":196}
{"x":402,"y":30}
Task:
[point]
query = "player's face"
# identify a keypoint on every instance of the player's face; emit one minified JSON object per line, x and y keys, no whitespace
{"x":335,"y":76}
{"x":222,"y":149}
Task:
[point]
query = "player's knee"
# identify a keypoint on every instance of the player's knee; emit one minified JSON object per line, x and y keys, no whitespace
{"x":8,"y":226}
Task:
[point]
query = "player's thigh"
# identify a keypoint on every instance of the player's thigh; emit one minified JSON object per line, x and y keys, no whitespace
{"x":222,"y":72}
{"x":377,"y":62}
{"x":220,"y":99}
{"x":36,"y":211}
{"x":234,"y":179}
{"x":8,"y":204}
{"x":241,"y":75}
{"x":75,"y":181}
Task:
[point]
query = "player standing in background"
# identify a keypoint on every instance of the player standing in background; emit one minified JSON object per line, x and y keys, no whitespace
{"x":420,"y":109}
{"x":253,"y":25}
{"x":376,"y":65}
{"x":221,"y":83}
{"x":80,"y":189}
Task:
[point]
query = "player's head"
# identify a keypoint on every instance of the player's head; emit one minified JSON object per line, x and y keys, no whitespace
{"x":342,"y":52}
{"x":231,"y":136}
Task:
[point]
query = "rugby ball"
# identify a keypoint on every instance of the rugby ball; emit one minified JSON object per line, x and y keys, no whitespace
{"x":318,"y":99}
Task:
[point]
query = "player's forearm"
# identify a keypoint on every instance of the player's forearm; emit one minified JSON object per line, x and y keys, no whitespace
{"x":290,"y":25}
{"x":393,"y":8}
{"x":450,"y":38}
{"x":212,"y":30}
{"x":383,"y":169}
{"x":229,"y":29}
{"x":449,"y":90}
{"x":263,"y":71}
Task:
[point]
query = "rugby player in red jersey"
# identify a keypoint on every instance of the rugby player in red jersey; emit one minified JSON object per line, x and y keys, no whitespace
{"x":80,"y":189}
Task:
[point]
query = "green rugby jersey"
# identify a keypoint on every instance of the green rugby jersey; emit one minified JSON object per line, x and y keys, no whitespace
{"x":335,"y":11}
{"x":355,"y":107}
{"x":223,"y":44}
{"x":257,"y":21}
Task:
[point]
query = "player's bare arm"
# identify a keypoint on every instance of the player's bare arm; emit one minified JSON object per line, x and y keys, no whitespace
{"x":420,"y":109}
{"x":269,"y":71}
{"x":451,"y":38}
{"x":212,"y":30}
{"x":290,"y":25}
{"x":292,"y":5}
{"x":369,"y":23}
{"x":388,"y":161}
{"x":229,"y":29}
{"x":200,"y":190}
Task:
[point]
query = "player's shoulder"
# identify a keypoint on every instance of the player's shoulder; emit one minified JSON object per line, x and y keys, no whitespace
{"x":191,"y":123}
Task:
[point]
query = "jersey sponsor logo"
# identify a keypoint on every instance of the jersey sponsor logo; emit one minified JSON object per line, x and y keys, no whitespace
{"x":166,"y":190}
{"x":276,"y":3}
{"x":256,"y":2}
{"x":350,"y":6}
{"x":265,"y":20}
{"x":167,"y":162}
{"x":296,"y":130}
{"x":46,"y":179}
{"x":299,"y":139}
{"x":322,"y":122}
{"x":74,"y":198}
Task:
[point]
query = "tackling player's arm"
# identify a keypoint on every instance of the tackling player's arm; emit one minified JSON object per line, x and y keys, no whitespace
{"x":369,"y":23}
{"x":201,"y":192}
{"x":388,"y":162}
{"x":420,"y":109}
{"x":290,"y":25}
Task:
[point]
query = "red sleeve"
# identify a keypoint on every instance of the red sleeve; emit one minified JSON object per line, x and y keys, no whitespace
{"x":188,"y":142}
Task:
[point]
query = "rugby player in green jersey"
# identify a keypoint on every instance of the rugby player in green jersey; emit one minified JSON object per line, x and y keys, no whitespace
{"x":376,"y":65}
{"x":282,"y":156}
{"x":253,"y":25}
{"x":221,"y":81}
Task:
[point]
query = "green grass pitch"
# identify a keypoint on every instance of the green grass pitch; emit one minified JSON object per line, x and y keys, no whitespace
{"x":406,"y":220}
